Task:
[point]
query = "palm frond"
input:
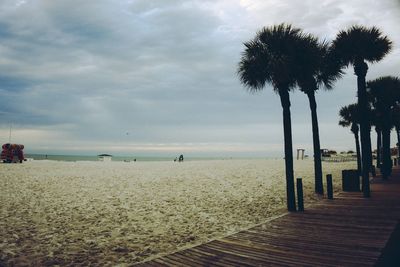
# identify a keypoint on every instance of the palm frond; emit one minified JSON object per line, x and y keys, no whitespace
{"x":308,"y":62}
{"x":331,"y":67}
{"x":253,"y":67}
{"x":360,"y":42}
{"x":396,"y":116}
{"x":268,"y":58}
{"x":344,"y":123}
{"x":375,"y":117}
{"x":348,"y":115}
{"x":384,"y":91}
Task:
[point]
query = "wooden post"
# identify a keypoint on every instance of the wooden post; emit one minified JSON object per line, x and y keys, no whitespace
{"x":329,"y":186}
{"x":373,"y":171}
{"x":300,"y":201}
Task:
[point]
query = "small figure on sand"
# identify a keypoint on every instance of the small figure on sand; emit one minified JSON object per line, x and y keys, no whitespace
{"x":181,"y":158}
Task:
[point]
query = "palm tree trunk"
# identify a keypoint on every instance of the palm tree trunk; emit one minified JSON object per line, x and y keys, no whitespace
{"x":287,"y":129}
{"x":386,"y":158}
{"x":319,"y":188}
{"x":398,"y":142}
{"x":360,"y":69}
{"x":369,"y":147}
{"x":386,"y":155}
{"x":378,"y":147}
{"x":355,"y":130}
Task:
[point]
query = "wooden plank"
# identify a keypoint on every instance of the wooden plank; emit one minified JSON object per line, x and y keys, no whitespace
{"x":282,"y":254}
{"x":284,"y":240}
{"x":251,"y":259}
{"x":302,"y":253}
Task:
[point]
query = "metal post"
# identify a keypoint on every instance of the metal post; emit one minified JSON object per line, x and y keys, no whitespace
{"x":300,"y":201}
{"x":329,"y":186}
{"x":9,"y":137}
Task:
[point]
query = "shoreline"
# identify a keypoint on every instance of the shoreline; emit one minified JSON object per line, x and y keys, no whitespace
{"x":138,"y":158}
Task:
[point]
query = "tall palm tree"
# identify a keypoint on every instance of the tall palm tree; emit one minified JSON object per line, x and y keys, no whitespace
{"x":396,"y":124}
{"x":385,"y":91}
{"x":354,"y":47}
{"x":270,"y":58}
{"x":318,"y":69}
{"x":376,"y":121}
{"x":349,"y":116}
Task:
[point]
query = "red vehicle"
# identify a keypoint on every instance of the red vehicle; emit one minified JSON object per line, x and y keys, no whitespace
{"x":12,"y":153}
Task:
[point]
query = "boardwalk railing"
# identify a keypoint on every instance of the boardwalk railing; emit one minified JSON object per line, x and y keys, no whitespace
{"x":338,"y":159}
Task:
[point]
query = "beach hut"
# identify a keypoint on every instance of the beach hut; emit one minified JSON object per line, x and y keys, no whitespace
{"x":104,"y":157}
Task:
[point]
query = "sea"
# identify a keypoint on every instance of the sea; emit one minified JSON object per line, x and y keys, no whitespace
{"x":116,"y":158}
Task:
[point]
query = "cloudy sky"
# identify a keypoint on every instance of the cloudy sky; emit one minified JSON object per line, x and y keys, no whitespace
{"x":158,"y":77}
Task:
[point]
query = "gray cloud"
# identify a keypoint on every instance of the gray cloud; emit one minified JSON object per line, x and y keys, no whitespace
{"x":89,"y":72}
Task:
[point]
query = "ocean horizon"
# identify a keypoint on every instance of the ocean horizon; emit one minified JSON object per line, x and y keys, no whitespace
{"x":130,"y":158}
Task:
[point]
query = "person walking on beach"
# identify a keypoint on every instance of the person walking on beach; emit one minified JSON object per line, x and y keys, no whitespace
{"x":181,"y":158}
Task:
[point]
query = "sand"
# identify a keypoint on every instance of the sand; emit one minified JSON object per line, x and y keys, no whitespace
{"x":119,"y":213}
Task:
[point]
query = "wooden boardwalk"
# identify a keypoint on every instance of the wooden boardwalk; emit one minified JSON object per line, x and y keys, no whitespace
{"x":347,"y":231}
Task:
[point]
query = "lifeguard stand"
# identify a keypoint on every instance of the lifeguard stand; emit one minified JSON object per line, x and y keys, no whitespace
{"x":300,"y":150}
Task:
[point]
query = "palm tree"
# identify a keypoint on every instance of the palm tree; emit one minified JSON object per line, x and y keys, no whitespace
{"x":385,"y":92}
{"x":318,"y":69}
{"x":354,"y":47}
{"x":270,"y":58}
{"x":376,"y":120}
{"x":396,"y":124}
{"x":349,"y":116}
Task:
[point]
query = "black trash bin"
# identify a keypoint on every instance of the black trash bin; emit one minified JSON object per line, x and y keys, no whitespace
{"x":351,"y":181}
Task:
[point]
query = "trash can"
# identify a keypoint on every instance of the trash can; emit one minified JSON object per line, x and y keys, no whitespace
{"x":351,"y":181}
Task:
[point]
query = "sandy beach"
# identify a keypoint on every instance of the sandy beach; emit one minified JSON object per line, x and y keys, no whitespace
{"x":109,"y":213}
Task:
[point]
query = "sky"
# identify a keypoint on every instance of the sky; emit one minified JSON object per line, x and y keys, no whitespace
{"x":159,"y":78}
